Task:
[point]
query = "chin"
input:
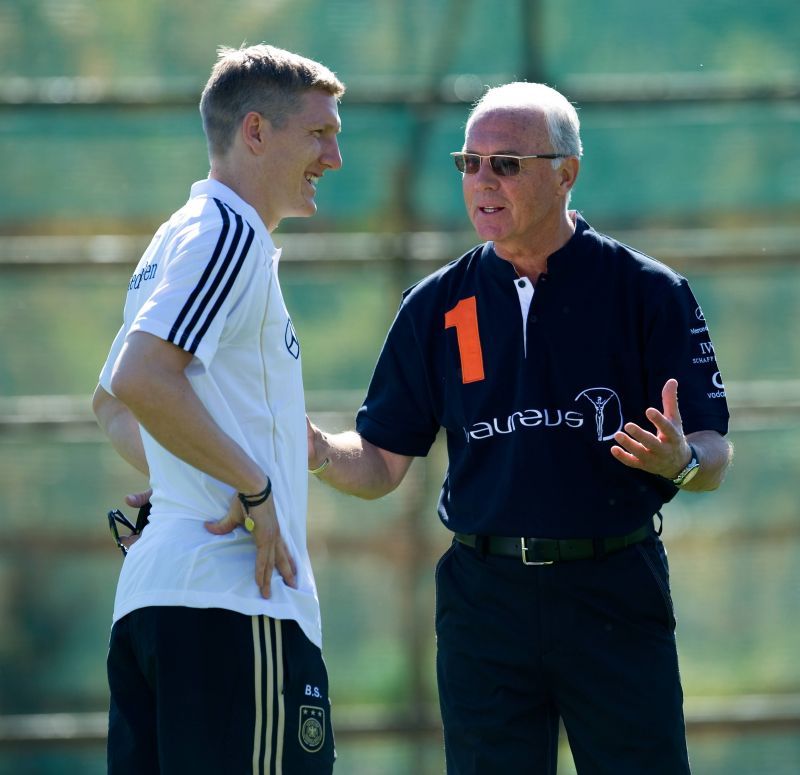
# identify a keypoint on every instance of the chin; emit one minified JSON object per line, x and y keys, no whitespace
{"x":304,"y":211}
{"x":308,"y":209}
{"x":488,"y":233}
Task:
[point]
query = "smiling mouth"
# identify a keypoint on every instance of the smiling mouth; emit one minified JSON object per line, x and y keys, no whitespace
{"x":490,"y":210}
{"x":312,"y":180}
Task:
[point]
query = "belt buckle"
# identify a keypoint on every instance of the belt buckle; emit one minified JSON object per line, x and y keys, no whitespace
{"x":525,"y":560}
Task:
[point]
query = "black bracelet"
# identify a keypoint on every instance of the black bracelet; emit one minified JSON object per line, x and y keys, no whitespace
{"x":251,"y":501}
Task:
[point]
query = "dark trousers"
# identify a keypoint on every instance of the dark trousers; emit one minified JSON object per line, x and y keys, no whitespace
{"x":589,"y":641}
{"x":200,"y":691}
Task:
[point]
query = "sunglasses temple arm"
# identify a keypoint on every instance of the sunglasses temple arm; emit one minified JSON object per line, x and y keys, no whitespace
{"x":123,"y":520}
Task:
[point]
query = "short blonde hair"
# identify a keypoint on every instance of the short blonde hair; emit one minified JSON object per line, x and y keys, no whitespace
{"x":258,"y":78}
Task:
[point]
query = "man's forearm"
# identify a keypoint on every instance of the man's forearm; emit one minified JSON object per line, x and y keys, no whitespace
{"x":354,"y":465}
{"x":150,"y":380}
{"x":176,"y":418}
{"x":715,"y":454}
{"x":121,"y":428}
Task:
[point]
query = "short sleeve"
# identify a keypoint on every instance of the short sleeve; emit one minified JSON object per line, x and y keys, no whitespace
{"x":191,"y":302}
{"x":679,"y":345}
{"x":397,"y":414}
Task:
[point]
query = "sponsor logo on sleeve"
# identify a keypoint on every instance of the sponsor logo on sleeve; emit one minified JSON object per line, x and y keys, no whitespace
{"x":716,"y":381}
{"x":147,"y":272}
{"x":698,"y":313}
{"x":706,"y":354}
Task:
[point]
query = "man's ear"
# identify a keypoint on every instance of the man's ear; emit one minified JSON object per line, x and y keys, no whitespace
{"x":254,"y":131}
{"x":569,"y":172}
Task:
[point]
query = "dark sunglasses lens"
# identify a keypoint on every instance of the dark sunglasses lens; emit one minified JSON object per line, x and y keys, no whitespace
{"x":505,"y":165}
{"x":468,"y":163}
{"x":472,"y":163}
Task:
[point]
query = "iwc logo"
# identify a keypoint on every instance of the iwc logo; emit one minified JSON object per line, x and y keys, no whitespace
{"x":607,"y":411}
{"x":312,"y":728}
{"x":292,"y":343}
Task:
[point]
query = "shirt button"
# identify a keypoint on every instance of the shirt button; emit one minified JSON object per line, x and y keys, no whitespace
{"x":521,"y":283}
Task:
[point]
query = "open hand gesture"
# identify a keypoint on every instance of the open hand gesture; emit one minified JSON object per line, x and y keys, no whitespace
{"x":663,"y":451}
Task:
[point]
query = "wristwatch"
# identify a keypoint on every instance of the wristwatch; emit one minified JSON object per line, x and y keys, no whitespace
{"x":690,"y":471}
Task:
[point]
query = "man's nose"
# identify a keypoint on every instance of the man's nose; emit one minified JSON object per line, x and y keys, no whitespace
{"x":332,"y":157}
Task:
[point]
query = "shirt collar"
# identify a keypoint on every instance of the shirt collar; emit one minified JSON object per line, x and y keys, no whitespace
{"x":213,"y":188}
{"x":558,"y":263}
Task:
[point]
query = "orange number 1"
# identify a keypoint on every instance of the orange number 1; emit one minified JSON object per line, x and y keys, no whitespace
{"x":464,"y":317}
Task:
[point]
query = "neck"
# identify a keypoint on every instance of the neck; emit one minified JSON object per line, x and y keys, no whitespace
{"x":530,"y":260}
{"x":240,"y":183}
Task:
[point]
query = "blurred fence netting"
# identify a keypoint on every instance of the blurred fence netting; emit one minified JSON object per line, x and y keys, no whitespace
{"x":690,"y":117}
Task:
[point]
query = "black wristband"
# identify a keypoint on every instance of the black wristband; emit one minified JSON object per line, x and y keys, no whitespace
{"x":251,"y":501}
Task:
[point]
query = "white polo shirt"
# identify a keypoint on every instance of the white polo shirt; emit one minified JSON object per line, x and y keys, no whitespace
{"x":208,"y":282}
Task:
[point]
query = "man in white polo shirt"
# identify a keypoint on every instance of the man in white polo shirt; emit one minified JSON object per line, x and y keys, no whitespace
{"x":214,"y":661}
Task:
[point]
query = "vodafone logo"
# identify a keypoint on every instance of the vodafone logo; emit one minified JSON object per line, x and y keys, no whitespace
{"x":716,"y":381}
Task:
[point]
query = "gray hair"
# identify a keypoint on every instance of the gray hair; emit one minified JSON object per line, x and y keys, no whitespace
{"x":563,"y":125}
{"x":259,"y":78}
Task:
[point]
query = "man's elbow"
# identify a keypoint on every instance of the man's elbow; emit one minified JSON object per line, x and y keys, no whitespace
{"x":126,"y":384}
{"x":378,"y":491}
{"x":105,"y":407}
{"x":99,"y":402}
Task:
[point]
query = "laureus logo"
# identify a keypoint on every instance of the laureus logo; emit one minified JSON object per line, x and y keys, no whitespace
{"x":607,"y":411}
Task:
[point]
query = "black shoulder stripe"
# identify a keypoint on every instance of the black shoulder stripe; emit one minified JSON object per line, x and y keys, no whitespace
{"x":226,"y":222}
{"x":228,"y":285}
{"x":211,"y":288}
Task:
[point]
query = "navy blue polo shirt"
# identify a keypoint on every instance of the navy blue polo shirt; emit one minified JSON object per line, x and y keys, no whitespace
{"x":530,"y":384}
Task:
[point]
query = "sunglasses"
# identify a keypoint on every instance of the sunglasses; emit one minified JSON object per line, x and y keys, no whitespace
{"x":116,"y":518}
{"x":502,"y":164}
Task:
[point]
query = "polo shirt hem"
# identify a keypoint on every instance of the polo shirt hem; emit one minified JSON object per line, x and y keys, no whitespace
{"x":244,"y":606}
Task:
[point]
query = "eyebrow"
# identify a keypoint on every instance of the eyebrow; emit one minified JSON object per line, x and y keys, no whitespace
{"x":326,"y":126}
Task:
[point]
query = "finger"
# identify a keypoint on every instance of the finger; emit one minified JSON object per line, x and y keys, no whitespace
{"x":625,"y":457}
{"x":138,"y":499}
{"x":285,"y":565}
{"x":669,"y":430}
{"x":265,"y":563}
{"x":129,"y":540}
{"x":669,"y":400}
{"x":634,"y":433}
{"x":229,"y":522}
{"x":222,"y":526}
{"x":310,"y":437}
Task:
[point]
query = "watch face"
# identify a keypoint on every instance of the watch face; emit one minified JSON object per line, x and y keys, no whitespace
{"x":692,"y":467}
{"x":689,"y":474}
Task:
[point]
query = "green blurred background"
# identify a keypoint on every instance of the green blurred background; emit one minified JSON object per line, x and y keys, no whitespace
{"x":690,"y":116}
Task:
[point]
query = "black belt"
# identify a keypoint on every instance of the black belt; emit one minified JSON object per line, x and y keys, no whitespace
{"x":546,"y":551}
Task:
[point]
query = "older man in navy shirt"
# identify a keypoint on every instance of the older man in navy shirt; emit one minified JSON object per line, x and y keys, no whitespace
{"x":551,"y":355}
